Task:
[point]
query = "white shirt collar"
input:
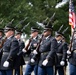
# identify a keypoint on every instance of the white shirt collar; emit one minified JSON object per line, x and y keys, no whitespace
{"x":9,"y":37}
{"x":35,"y":38}
{"x":59,"y":41}
{"x":47,"y":37}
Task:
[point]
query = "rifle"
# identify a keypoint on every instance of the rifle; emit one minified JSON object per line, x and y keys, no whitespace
{"x":1,"y":21}
{"x":52,"y":17}
{"x":21,"y":22}
{"x":45,"y":21}
{"x":10,"y":23}
{"x":26,"y":48}
{"x":1,"y":46}
{"x":25,"y":26}
{"x":37,"y":48}
{"x":2,"y":42}
{"x":72,"y":40}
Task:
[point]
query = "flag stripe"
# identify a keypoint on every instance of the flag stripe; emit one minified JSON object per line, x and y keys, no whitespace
{"x":72,"y":19}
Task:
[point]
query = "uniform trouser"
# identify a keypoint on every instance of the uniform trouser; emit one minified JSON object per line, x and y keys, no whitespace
{"x":72,"y":69}
{"x":60,"y":70}
{"x":45,"y":70}
{"x":6,"y":72}
{"x":19,"y":71}
{"x":30,"y":68}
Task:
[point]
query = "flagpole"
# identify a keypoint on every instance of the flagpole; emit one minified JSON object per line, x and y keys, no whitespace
{"x":72,"y":22}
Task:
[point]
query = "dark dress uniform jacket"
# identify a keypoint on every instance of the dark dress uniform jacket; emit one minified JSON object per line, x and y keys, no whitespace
{"x":72,"y":59}
{"x":61,"y":53}
{"x":1,"y":40}
{"x":19,"y":59}
{"x":32,"y":48}
{"x":1,"y":47}
{"x":47,"y":49}
{"x":10,"y":50}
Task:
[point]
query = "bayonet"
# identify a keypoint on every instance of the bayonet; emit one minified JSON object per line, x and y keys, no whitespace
{"x":21,"y":22}
{"x":25,"y":26}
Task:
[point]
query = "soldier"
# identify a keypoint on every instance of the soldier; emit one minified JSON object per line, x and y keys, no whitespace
{"x":33,"y":44}
{"x":1,"y":43}
{"x":10,"y":50}
{"x":64,"y":41}
{"x":60,"y":54}
{"x":72,"y":54}
{"x":1,"y":33}
{"x":1,"y":38}
{"x":47,"y":51}
{"x":20,"y":59}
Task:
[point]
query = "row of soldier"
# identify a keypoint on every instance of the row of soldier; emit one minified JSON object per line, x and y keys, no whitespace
{"x":48,"y":54}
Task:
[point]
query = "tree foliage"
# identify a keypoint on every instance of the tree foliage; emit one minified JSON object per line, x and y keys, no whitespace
{"x":35,"y":10}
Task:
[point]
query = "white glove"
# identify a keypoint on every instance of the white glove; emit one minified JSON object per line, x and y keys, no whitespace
{"x":35,"y":45}
{"x":45,"y":62}
{"x":35,"y":52}
{"x":6,"y":64}
{"x":68,"y":52}
{"x":23,"y":50}
{"x":32,"y":60}
{"x":62,"y":63}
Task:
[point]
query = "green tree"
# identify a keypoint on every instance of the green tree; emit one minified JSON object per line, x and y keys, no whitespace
{"x":35,"y":10}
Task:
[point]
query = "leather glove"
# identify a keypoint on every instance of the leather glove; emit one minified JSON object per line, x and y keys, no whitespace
{"x":68,"y":52}
{"x":32,"y":60}
{"x":6,"y":64}
{"x":35,"y":52}
{"x":23,"y":50}
{"x":45,"y":62}
{"x":62,"y":63}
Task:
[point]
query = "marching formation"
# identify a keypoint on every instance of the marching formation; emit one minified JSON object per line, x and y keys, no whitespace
{"x":48,"y":54}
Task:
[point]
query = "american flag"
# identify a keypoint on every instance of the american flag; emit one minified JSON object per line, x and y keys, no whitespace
{"x":71,"y":15}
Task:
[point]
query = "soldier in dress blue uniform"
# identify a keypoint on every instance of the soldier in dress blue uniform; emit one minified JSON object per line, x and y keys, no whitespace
{"x":1,"y":43}
{"x":10,"y":50}
{"x":61,"y":54}
{"x":64,"y":41}
{"x":1,"y":33}
{"x":19,"y":59}
{"x":1,"y":38}
{"x":47,"y":51}
{"x":72,"y":58}
{"x":32,"y":66}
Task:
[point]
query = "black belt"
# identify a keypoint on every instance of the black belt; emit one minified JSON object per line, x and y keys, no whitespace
{"x":43,"y":53}
{"x":59,"y":54}
{"x":74,"y":51}
{"x":5,"y":52}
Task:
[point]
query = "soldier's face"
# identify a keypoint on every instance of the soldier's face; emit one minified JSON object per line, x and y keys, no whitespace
{"x":59,"y":38}
{"x":18,"y":36}
{"x":9,"y":33}
{"x":47,"y":33}
{"x":0,"y":33}
{"x":34,"y":34}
